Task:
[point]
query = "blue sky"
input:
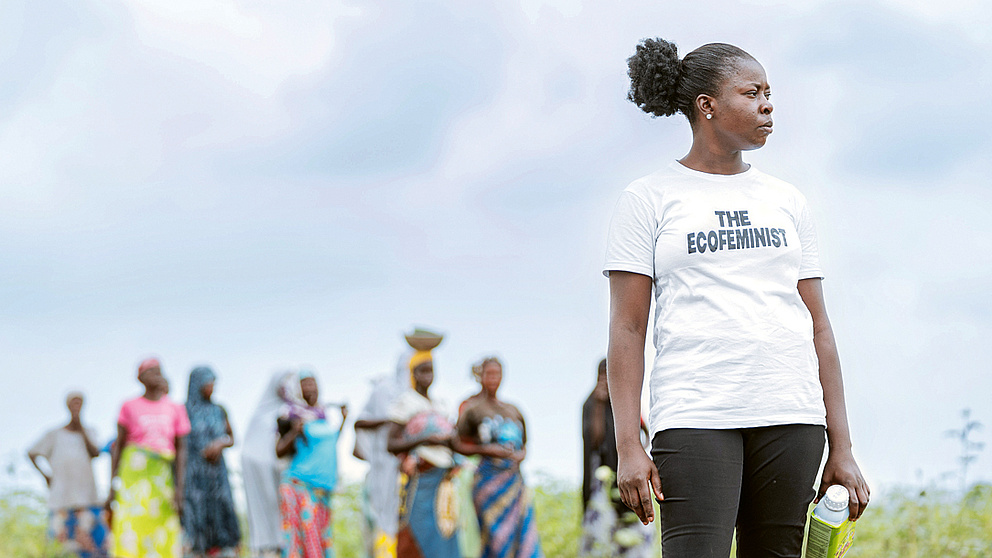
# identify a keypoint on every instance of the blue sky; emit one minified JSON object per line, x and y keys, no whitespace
{"x":256,"y":187}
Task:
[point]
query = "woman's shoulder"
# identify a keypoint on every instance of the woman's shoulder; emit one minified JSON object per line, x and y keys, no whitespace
{"x":778,"y":185}
{"x":656,"y":182}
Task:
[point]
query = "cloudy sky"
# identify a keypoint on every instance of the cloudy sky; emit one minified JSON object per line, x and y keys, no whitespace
{"x":256,"y":186}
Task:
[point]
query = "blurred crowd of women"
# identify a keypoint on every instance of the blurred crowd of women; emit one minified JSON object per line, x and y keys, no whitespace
{"x":440,"y":483}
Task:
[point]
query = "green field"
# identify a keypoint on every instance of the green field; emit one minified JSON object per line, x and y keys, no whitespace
{"x":901,"y":524}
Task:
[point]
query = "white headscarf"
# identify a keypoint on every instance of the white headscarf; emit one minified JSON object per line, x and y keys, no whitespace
{"x":261,"y":469}
{"x":381,"y":481}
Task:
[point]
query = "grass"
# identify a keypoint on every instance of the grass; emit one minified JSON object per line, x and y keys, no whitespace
{"x":902,"y":523}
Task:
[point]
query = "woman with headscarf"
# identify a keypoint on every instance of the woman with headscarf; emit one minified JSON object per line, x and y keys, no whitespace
{"x":496,"y":431}
{"x":421,"y":435}
{"x":209,"y":520}
{"x":262,"y":470}
{"x":308,"y":483}
{"x":380,"y":494}
{"x":149,"y":460}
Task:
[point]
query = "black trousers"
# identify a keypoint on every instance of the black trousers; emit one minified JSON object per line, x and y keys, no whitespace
{"x":757,"y":479}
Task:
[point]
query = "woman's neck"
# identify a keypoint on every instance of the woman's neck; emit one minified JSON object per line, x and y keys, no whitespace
{"x":706,"y":156}
{"x":153,"y":394}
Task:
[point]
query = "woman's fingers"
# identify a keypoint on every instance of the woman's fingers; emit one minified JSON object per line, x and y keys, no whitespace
{"x":632,"y":498}
{"x":859,"y":498}
{"x":636,"y":483}
{"x":656,"y":484}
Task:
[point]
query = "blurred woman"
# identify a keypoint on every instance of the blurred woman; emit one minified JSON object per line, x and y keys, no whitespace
{"x":209,"y":520}
{"x":380,"y":493}
{"x":609,"y":528}
{"x":496,"y":430}
{"x":309,"y":481}
{"x":421,"y":435}
{"x":262,"y":470}
{"x":149,"y":462}
{"x":76,"y":519}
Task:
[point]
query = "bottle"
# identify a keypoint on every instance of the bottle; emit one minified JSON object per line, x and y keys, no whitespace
{"x":832,"y":507}
{"x":830,"y":534}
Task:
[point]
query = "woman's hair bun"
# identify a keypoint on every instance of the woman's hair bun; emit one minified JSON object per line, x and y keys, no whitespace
{"x":654,"y":76}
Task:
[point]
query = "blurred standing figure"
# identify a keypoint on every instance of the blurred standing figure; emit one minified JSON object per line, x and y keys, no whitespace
{"x":209,"y":521}
{"x":496,"y":431}
{"x":76,"y":517}
{"x":421,"y":436}
{"x":381,"y":495}
{"x":609,"y":528}
{"x":149,"y":462}
{"x":308,"y":484}
{"x":262,"y":470}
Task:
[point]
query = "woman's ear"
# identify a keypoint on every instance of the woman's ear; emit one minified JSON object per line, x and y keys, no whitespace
{"x":704,"y":106}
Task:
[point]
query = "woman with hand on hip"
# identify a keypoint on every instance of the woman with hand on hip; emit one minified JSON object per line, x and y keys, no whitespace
{"x":746,"y":377}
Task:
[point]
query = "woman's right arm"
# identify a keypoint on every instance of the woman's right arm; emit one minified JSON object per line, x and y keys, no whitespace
{"x":284,"y":446}
{"x":630,"y":304}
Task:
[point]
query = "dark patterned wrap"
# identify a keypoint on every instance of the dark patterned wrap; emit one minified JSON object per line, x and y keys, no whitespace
{"x":208,"y":517}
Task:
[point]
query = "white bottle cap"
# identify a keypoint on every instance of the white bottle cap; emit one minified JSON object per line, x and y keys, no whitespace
{"x":836,"y":498}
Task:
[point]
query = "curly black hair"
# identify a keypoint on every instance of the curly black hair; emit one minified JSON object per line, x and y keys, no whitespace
{"x":661,"y":84}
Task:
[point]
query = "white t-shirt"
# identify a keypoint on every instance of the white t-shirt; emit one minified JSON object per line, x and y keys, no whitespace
{"x":733,"y":338}
{"x":73,"y":485}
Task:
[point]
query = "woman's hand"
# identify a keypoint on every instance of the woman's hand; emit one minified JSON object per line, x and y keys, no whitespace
{"x":842,"y":469}
{"x":177,"y":502}
{"x":212,"y":452}
{"x":110,"y":498}
{"x":518,"y":455}
{"x":638,"y":481}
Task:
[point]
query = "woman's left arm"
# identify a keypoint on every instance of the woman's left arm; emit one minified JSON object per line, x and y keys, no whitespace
{"x":841,"y":468}
{"x":179,"y":472}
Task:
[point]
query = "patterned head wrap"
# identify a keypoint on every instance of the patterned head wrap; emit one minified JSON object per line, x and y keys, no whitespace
{"x":199,"y":377}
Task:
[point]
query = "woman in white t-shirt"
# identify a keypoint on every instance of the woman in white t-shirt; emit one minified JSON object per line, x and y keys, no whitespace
{"x":746,"y":377}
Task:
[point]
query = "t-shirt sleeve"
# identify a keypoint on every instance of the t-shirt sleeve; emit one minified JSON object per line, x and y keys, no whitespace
{"x":44,"y":446}
{"x":180,"y":423}
{"x":125,"y":417}
{"x":809,"y":267}
{"x":399,"y":411}
{"x":631,"y":241}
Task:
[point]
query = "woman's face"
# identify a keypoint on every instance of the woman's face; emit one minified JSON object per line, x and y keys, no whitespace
{"x":75,"y":405}
{"x":423,"y":375}
{"x":152,"y":379}
{"x":207,"y":390}
{"x":742,"y":112}
{"x":308,"y":388}
{"x":492,"y":376}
